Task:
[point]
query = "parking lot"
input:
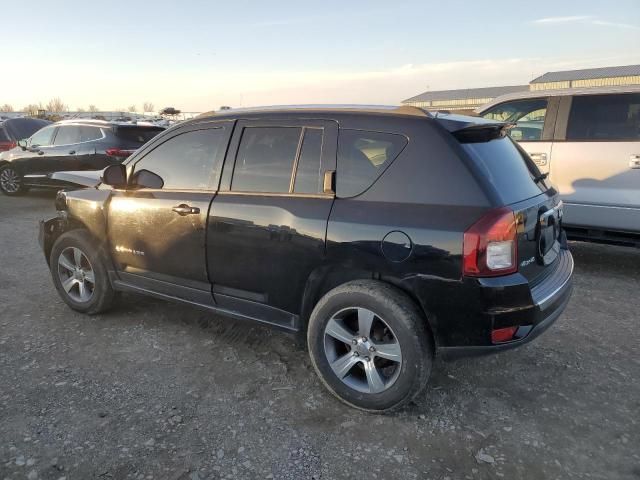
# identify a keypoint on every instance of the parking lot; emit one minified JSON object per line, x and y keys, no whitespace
{"x":157,"y":390}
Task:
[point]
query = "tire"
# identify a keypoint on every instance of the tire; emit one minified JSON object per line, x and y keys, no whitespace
{"x":398,"y":340}
{"x":11,"y":182}
{"x":90,"y":297}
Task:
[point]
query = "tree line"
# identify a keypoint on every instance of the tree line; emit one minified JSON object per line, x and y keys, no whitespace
{"x":56,"y":105}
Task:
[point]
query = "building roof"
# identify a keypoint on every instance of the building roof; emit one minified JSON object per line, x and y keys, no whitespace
{"x":560,"y":92}
{"x":588,"y":74}
{"x":463,"y":94}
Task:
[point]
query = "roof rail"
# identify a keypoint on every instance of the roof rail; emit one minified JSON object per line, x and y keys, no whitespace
{"x":402,"y":109}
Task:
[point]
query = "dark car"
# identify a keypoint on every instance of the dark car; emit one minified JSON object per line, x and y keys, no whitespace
{"x":13,"y":130}
{"x":386,"y":235}
{"x":69,"y":145}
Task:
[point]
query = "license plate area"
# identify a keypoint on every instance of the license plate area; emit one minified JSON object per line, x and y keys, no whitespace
{"x":548,"y":231}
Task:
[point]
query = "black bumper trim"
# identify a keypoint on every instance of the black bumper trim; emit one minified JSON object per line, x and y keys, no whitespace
{"x":451,"y":353}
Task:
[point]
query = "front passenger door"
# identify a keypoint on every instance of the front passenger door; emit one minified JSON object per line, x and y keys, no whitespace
{"x":157,"y":235}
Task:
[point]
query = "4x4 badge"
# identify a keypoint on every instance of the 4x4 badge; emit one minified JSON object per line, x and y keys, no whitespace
{"x":524,"y":263}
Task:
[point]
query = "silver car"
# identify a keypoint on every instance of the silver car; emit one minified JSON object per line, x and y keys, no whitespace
{"x":588,"y":141}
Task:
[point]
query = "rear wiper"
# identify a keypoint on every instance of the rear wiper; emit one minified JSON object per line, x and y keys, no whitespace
{"x":540,"y":177}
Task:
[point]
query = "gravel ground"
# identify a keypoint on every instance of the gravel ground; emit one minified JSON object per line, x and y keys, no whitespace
{"x":156,"y":390}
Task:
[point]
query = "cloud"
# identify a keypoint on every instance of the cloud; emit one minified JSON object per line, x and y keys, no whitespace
{"x":585,"y":20}
{"x":557,"y":20}
{"x":615,"y":25}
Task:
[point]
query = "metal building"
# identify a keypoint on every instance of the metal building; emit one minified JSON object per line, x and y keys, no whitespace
{"x":466,"y":100}
{"x":589,"y":77}
{"x":460,"y":101}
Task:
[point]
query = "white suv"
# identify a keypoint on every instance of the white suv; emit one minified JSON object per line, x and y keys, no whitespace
{"x":588,"y":141}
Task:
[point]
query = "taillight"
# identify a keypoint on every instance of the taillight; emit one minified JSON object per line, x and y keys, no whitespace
{"x":490,"y":247}
{"x":500,"y":335}
{"x":4,"y":146}
{"x":118,"y":152}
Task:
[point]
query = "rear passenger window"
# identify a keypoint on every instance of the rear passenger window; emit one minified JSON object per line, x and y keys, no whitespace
{"x":362,"y":157}
{"x":604,"y":117}
{"x":308,"y":177}
{"x":88,"y":134}
{"x":265,"y":159}
{"x":67,"y":135}
{"x":189,"y":161}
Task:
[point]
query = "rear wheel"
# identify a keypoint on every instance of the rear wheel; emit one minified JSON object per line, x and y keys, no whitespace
{"x":370,"y":346}
{"x":11,"y":181}
{"x":79,"y":273}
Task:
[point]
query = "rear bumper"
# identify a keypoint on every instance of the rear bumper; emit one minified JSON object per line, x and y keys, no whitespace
{"x":548,"y":301}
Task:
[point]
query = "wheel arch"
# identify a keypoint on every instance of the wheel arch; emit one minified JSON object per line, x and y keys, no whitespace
{"x":328,"y":277}
{"x":56,"y":227}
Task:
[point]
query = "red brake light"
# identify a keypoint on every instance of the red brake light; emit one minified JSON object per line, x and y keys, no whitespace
{"x":118,"y":152}
{"x":4,"y":146}
{"x":490,"y":245}
{"x":500,"y":335}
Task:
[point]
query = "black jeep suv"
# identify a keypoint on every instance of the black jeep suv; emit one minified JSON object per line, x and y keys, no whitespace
{"x":387,"y":235}
{"x":69,"y":145}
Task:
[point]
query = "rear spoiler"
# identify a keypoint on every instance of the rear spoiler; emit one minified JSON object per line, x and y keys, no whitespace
{"x":473,"y":129}
{"x":482,"y":133}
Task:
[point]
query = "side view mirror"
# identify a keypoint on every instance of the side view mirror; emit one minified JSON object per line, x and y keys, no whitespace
{"x":146,"y":179}
{"x":23,"y":143}
{"x":115,"y":175}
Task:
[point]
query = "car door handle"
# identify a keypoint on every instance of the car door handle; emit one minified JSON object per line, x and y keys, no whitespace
{"x":184,"y":209}
{"x":539,"y":159}
{"x":40,"y":152}
{"x":72,"y":152}
{"x":634,"y":161}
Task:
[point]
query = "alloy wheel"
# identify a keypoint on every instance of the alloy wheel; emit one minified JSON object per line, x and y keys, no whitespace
{"x":76,"y":274}
{"x":362,"y":350}
{"x":9,"y":180}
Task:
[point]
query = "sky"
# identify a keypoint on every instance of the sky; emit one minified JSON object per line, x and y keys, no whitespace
{"x":197,"y":55}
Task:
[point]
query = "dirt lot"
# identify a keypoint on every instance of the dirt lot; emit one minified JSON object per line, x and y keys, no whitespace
{"x":156,"y":390}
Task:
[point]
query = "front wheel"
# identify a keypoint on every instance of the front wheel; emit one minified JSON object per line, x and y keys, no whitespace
{"x":370,"y":345}
{"x":11,"y":182}
{"x":80,"y":274}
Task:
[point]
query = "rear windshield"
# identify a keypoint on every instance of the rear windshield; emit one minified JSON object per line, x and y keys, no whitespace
{"x":507,"y":167}
{"x":138,"y":135}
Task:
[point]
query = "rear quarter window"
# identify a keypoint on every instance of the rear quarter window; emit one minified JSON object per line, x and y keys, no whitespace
{"x":507,"y":168}
{"x":362,"y":157}
{"x":3,"y":135}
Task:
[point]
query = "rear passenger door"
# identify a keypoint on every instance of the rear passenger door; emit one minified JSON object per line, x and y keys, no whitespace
{"x":63,"y":155}
{"x":266,"y":233}
{"x":596,"y":161}
{"x":534,"y":125}
{"x":86,"y":149}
